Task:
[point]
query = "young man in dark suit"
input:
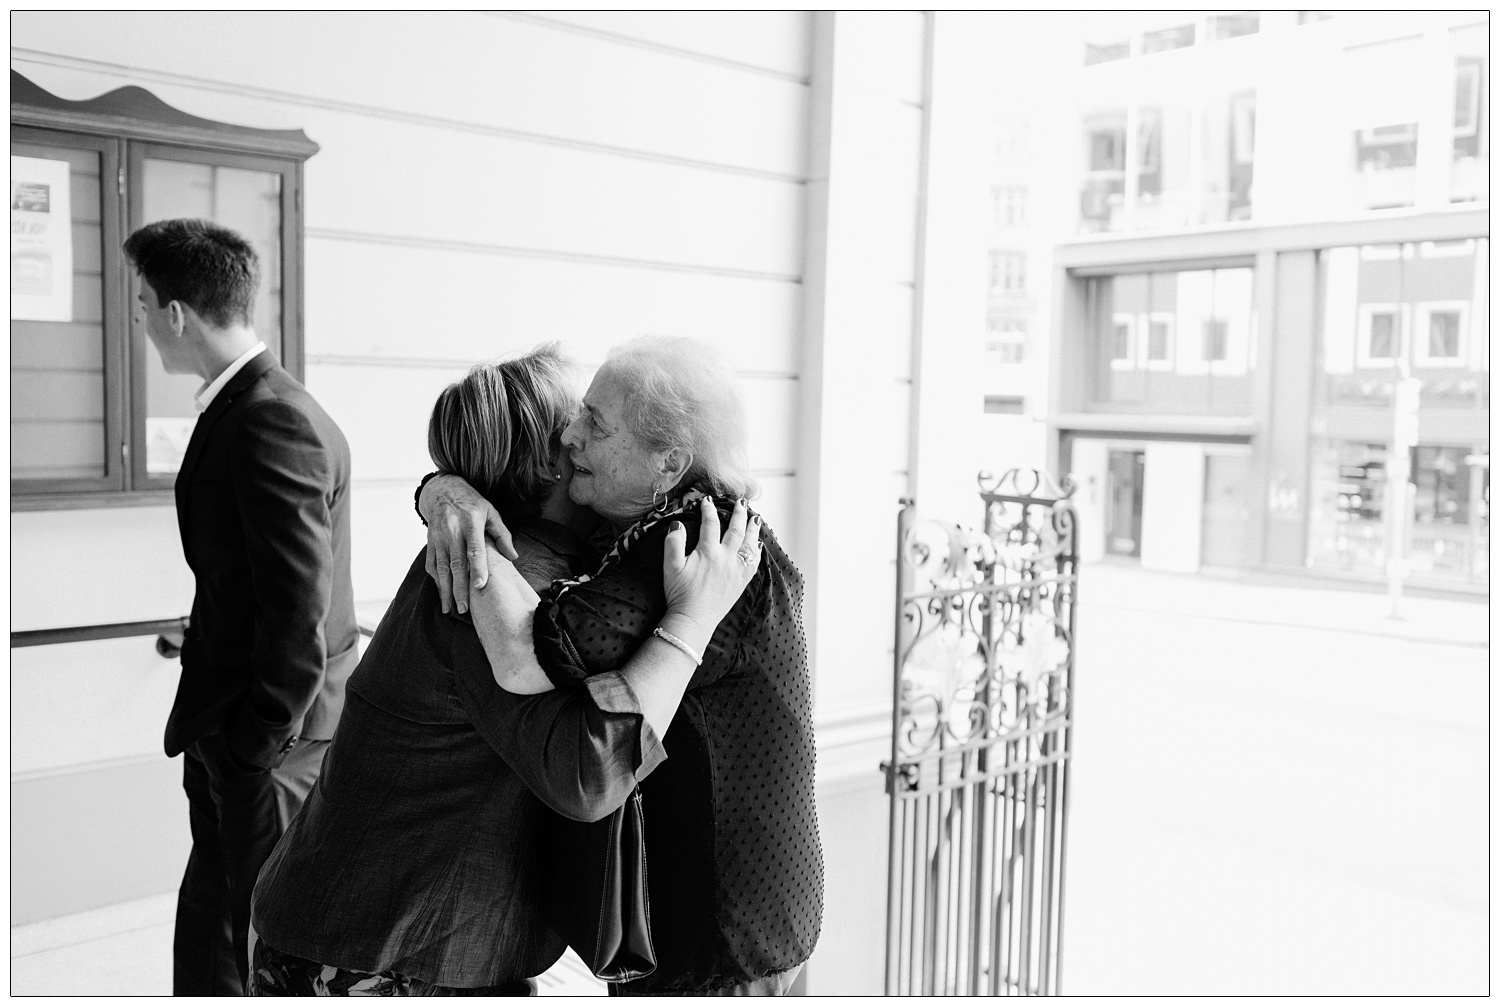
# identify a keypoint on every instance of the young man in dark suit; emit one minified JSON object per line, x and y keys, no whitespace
{"x":263,"y":510}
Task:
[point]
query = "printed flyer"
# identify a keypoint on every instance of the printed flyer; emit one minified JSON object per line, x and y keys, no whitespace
{"x":41,"y":241}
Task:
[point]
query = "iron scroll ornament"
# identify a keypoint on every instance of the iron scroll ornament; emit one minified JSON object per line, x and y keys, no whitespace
{"x":986,"y":632}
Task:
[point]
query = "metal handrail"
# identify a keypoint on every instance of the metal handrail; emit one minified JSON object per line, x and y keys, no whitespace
{"x":168,"y":633}
{"x":104,"y":631}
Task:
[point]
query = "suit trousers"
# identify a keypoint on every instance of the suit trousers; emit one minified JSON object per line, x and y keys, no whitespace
{"x":237,"y":813}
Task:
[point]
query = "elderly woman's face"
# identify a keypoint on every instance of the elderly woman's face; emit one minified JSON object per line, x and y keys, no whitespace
{"x":612,"y":472}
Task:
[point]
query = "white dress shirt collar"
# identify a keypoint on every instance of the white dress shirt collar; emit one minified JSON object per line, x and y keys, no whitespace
{"x":206,"y":394}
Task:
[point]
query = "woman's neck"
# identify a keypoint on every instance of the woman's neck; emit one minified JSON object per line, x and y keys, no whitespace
{"x":559,"y":509}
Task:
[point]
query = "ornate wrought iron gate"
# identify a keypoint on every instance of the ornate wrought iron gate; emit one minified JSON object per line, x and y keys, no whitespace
{"x":978,"y":775}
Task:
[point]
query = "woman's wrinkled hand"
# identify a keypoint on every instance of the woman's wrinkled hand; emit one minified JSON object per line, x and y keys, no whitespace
{"x":703,"y":587}
{"x":458,"y":522}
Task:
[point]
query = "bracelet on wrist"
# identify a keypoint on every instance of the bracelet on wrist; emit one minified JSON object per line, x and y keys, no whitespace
{"x":670,"y":639}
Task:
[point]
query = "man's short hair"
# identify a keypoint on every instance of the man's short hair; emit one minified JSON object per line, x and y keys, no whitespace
{"x":205,"y":266}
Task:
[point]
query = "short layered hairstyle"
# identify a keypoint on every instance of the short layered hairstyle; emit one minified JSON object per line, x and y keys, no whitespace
{"x":681,"y":392}
{"x":204,"y":265}
{"x":500,"y":428}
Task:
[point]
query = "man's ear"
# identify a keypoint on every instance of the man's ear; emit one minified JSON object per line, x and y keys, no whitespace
{"x":177,"y":317}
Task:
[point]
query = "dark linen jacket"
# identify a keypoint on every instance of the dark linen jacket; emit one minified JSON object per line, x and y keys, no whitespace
{"x":734,"y":861}
{"x":416,"y":851}
{"x":263,"y":510}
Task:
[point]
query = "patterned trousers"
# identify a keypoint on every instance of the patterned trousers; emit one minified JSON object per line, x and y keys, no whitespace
{"x":277,"y":974}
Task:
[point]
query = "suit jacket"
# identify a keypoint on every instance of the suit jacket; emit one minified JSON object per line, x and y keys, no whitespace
{"x":263,"y":509}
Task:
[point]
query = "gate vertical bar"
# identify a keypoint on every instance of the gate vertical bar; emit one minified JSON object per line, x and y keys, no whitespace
{"x":893,"y":768}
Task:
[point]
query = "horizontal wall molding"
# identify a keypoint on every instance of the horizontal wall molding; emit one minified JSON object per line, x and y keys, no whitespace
{"x":485,"y":248}
{"x":443,"y":364}
{"x":641,"y":43}
{"x":380,"y":112}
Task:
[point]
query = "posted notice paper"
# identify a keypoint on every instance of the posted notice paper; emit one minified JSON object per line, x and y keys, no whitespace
{"x":41,"y":241}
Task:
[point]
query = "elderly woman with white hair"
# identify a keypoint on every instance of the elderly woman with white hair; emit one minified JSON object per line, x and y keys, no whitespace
{"x":725,"y":768}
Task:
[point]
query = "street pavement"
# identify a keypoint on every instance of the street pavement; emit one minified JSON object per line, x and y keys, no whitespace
{"x":1277,"y":790}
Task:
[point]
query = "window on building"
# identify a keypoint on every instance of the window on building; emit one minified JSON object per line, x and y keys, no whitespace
{"x":1383,"y":336}
{"x":1148,"y":153}
{"x":1006,"y":338}
{"x":1008,"y":405}
{"x":1007,"y":273}
{"x":94,"y":417}
{"x":1141,"y":364}
{"x":1009,"y":205}
{"x":1215,"y":339}
{"x":1164,"y":39}
{"x":1193,"y":156}
{"x":1121,"y":344}
{"x":1471,"y":140}
{"x":1440,"y":334}
{"x":1105,"y":52}
{"x":1103,"y":197}
{"x":1366,"y":336}
{"x":1223,"y":26}
{"x":1159,"y":338}
{"x":1241,"y":155}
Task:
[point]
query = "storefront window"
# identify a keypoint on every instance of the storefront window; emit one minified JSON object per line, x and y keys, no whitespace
{"x":1420,"y":307}
{"x":1346,"y":526}
{"x":1450,"y":534}
{"x":1415,"y":311}
{"x":1174,"y":342}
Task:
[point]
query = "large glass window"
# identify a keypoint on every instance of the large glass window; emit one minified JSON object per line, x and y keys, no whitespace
{"x":247,"y":201}
{"x":1346,"y":523}
{"x":1193,"y":161}
{"x":1179,"y":341}
{"x":1390,"y":313}
{"x":1415,"y":308}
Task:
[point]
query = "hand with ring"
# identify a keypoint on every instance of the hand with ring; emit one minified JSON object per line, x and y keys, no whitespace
{"x":704,"y":585}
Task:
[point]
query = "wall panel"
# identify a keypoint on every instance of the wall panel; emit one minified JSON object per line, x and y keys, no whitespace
{"x":389,"y":535}
{"x":386,"y":177}
{"x":778,"y":41}
{"x":96,"y":701}
{"x":79,"y":567}
{"x":383,"y":412}
{"x":462,"y":67}
{"x":467,"y":306}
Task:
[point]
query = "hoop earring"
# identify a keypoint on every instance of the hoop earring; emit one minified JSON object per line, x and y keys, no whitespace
{"x":658,"y":507}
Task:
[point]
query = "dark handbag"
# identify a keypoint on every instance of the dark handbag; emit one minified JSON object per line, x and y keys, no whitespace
{"x":595,"y":892}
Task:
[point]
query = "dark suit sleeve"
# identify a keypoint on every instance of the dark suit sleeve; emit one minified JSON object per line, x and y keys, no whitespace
{"x":282,"y":475}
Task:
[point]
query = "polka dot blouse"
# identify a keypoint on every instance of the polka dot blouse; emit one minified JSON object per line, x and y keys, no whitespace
{"x":734,"y":863}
